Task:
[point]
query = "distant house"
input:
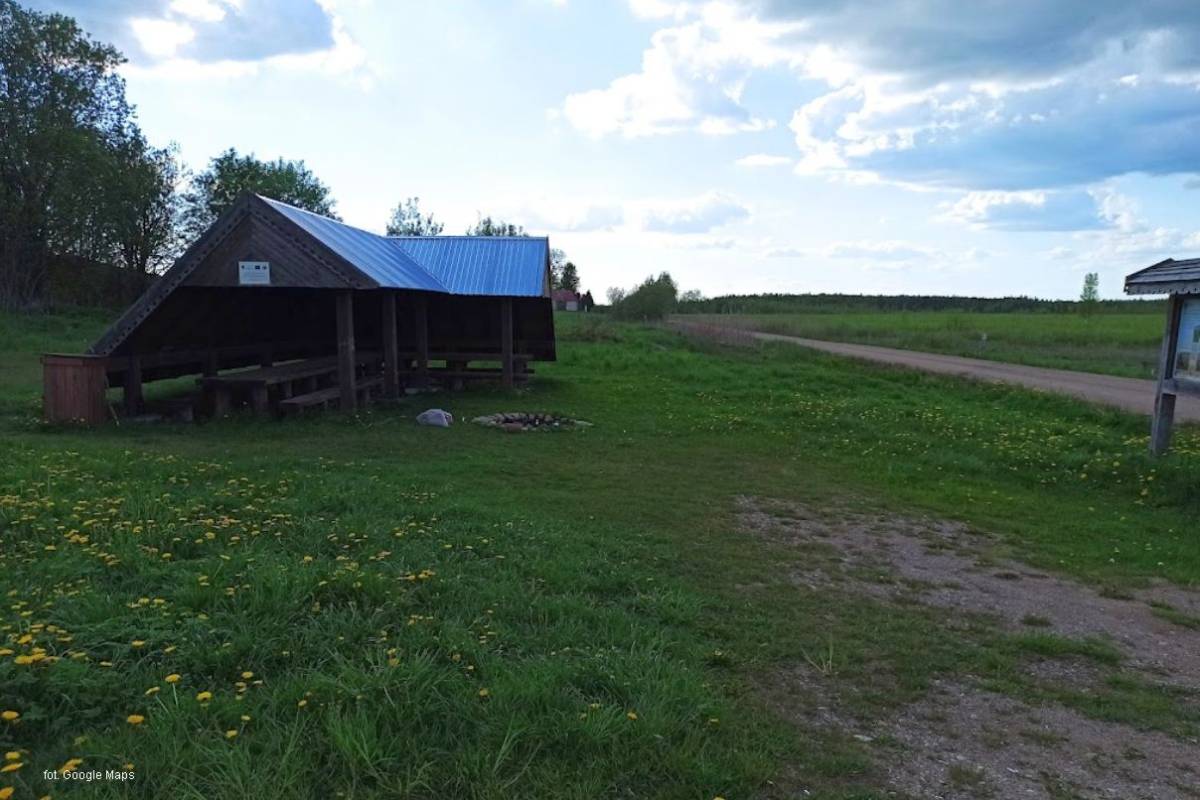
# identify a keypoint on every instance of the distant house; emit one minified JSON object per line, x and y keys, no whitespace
{"x":565,"y":300}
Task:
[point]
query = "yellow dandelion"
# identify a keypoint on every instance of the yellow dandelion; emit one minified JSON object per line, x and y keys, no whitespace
{"x":204,"y":697}
{"x":631,"y":715}
{"x":302,"y":704}
{"x":153,"y":690}
{"x":247,"y":675}
{"x":137,"y":644}
{"x":245,"y":717}
{"x":231,"y":734}
{"x":11,"y":766}
{"x":135,"y":719}
{"x":6,"y":793}
{"x":173,"y":677}
{"x":10,"y":716}
{"x":484,"y":693}
{"x":12,"y":755}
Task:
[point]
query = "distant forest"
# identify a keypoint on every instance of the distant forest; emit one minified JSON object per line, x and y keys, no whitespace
{"x":835,"y":303}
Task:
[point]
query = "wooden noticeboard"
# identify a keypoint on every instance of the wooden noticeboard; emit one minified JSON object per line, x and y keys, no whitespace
{"x":1178,"y":366}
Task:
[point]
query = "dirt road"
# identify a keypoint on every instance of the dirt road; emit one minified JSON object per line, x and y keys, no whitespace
{"x":1129,"y":394}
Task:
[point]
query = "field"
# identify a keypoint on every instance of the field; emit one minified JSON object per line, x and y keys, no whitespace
{"x":1114,"y":343}
{"x":354,"y":606}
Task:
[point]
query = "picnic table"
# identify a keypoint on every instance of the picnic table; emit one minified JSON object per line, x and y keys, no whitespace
{"x":288,"y":379}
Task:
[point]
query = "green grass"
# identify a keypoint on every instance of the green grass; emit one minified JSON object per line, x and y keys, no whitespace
{"x":376,"y":576}
{"x":1112,"y":343}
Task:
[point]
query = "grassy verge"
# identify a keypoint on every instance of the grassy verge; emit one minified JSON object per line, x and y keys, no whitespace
{"x":1111,"y":343}
{"x":383,"y":610}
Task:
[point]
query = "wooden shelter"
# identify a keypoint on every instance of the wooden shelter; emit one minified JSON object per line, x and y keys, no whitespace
{"x":1179,"y":360}
{"x":283,"y":308}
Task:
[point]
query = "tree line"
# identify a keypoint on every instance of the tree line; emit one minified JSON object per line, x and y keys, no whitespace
{"x":80,"y":183}
{"x":833,"y":303}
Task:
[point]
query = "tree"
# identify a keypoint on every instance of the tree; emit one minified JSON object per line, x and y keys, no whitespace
{"x":615,"y":295}
{"x":558,"y":259}
{"x":691,"y":296}
{"x":62,"y":107}
{"x":144,"y":206}
{"x":230,"y":174}
{"x":652,"y":300}
{"x":486,"y":226}
{"x":569,"y":277}
{"x":563,"y":273}
{"x":407,"y":220}
{"x":1089,"y":298}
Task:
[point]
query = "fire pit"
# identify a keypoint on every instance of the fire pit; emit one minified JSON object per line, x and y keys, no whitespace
{"x":520,"y":421}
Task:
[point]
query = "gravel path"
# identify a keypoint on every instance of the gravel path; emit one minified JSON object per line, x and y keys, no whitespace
{"x":1130,"y":394}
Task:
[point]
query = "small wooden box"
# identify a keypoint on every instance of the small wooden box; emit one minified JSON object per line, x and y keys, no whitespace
{"x":74,"y":388}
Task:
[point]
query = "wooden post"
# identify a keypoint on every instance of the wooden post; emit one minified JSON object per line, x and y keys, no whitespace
{"x":506,"y":341}
{"x":421,"y":326}
{"x":260,"y":399}
{"x":1164,"y":398}
{"x":133,"y":387}
{"x":212,"y":363}
{"x":346,"y":360}
{"x":391,"y":350}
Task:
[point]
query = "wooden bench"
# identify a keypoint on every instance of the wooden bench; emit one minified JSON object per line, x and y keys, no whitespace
{"x":258,"y":382}
{"x":323,"y":397}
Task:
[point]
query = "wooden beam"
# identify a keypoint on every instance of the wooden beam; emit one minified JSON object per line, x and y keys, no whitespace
{"x":506,"y":341}
{"x":1164,"y":399}
{"x":346,"y":359}
{"x":421,"y":328}
{"x":391,"y":348}
{"x":133,"y":387}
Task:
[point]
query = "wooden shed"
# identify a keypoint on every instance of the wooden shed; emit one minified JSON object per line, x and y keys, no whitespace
{"x":294,"y":306}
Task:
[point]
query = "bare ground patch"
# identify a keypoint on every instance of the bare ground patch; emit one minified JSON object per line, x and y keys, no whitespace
{"x":962,"y":741}
{"x":943,"y":564}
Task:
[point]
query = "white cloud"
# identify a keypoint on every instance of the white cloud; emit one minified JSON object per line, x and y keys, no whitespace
{"x":707,"y":243}
{"x":763,"y":160}
{"x":691,"y":78}
{"x":1060,"y":254}
{"x":563,"y":216}
{"x":889,"y":250}
{"x":1069,"y":210}
{"x":657,"y":9}
{"x":161,"y":38}
{"x":699,"y":214}
{"x":930,"y":93}
{"x":206,"y":31}
{"x":200,"y":10}
{"x":345,"y":57}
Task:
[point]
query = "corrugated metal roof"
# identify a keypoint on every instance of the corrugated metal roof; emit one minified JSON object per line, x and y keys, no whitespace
{"x":377,"y":256}
{"x":507,"y":266}
{"x":512,"y":266}
{"x":1166,"y":277}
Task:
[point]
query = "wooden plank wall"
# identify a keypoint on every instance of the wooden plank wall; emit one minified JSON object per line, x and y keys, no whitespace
{"x":73,"y":389}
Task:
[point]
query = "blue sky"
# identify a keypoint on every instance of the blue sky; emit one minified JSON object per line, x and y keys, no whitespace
{"x":934,"y":146}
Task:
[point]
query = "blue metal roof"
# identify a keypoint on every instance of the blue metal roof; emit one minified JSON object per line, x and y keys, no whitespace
{"x":375,"y":255}
{"x":506,"y":266}
{"x":512,"y":266}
